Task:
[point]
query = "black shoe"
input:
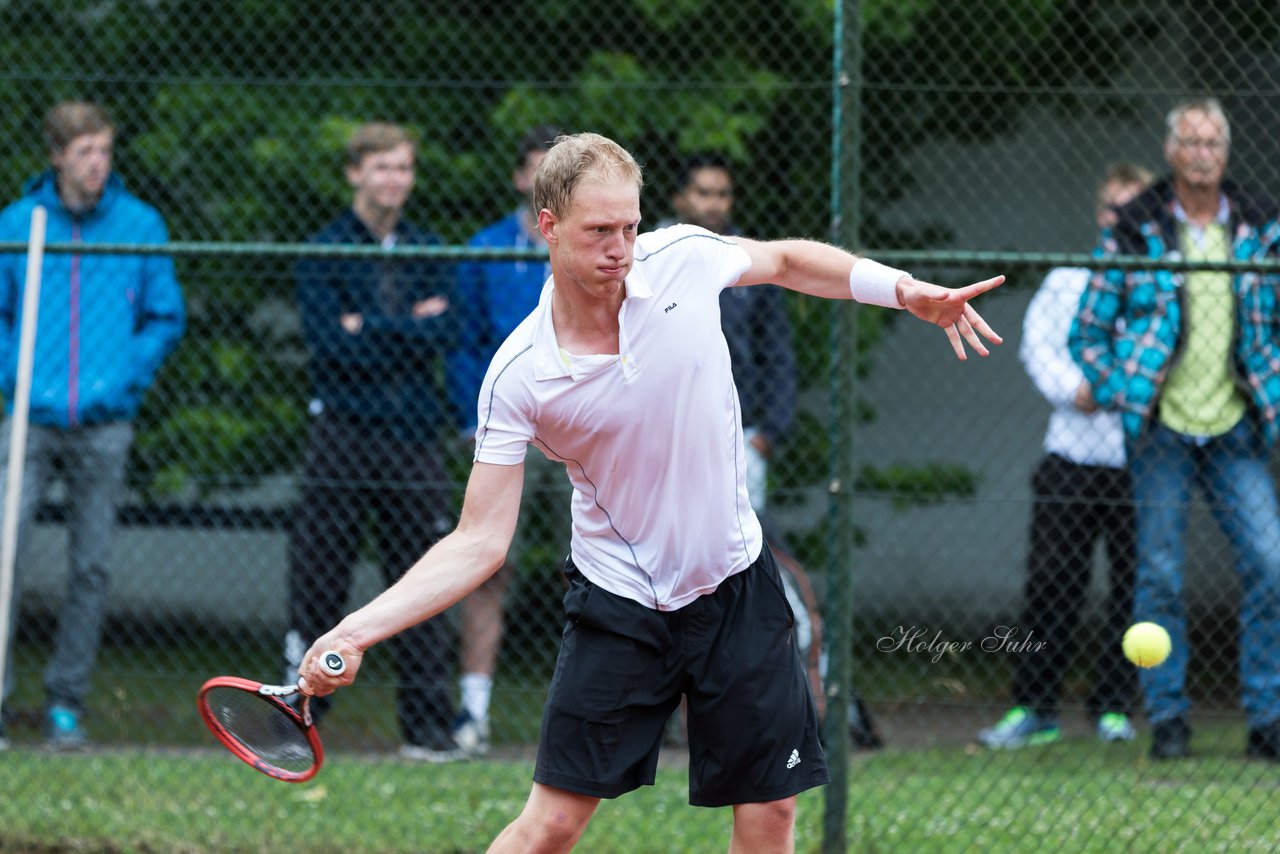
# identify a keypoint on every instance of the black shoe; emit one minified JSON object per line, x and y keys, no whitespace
{"x":1171,"y":739}
{"x":1264,"y":742}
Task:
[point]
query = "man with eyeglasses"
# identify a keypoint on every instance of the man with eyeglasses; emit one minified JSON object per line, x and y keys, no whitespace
{"x":1191,"y":363}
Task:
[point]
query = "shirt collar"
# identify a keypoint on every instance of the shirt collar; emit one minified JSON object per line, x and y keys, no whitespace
{"x":637,"y":284}
{"x":547,"y":364}
{"x":1223,"y":215}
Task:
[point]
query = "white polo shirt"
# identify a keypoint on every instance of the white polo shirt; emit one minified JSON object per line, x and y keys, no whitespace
{"x":651,"y":437}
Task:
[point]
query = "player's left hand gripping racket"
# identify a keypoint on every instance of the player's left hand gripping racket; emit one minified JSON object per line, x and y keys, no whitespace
{"x":255,"y":723}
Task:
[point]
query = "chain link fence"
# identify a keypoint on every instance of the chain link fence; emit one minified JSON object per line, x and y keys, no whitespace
{"x":957,"y":141}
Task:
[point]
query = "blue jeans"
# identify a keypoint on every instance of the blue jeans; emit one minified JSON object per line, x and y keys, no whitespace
{"x":93,"y":464}
{"x":1233,"y":472}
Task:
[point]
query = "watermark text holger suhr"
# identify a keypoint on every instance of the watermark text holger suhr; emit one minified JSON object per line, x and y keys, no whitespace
{"x":917,"y":639}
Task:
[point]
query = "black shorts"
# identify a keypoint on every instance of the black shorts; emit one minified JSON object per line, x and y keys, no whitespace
{"x":753,"y":726}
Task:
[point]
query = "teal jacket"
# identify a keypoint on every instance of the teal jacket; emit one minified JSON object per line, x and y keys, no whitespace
{"x":1128,"y":329}
{"x":105,"y":321}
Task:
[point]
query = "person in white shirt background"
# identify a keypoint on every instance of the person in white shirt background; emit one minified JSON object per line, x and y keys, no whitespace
{"x":1081,"y":493}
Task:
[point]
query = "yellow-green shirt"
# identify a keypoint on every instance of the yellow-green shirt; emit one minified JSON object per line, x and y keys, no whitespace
{"x":1200,"y":396}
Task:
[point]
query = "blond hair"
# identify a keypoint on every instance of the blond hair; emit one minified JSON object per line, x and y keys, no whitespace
{"x":573,"y":158}
{"x":375,"y":138}
{"x":1125,"y":175}
{"x":72,"y":119}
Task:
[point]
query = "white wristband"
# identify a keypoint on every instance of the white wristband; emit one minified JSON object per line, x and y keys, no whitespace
{"x":875,"y":284}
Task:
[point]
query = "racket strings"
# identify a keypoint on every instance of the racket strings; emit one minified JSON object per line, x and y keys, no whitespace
{"x":262,"y":727}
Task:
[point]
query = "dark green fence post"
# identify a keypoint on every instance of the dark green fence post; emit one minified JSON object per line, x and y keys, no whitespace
{"x":845,"y":216}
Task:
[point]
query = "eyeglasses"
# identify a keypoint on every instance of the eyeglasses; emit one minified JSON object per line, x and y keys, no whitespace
{"x":1212,"y":145}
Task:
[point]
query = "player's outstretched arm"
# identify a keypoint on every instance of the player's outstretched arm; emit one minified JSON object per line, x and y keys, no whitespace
{"x":451,"y":569}
{"x":827,"y":271}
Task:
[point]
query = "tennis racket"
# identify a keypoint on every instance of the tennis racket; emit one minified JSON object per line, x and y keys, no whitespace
{"x":258,"y":726}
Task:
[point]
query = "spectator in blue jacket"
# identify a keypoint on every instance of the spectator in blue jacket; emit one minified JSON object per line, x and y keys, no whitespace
{"x":493,"y":297}
{"x":375,"y":330}
{"x":105,"y":324}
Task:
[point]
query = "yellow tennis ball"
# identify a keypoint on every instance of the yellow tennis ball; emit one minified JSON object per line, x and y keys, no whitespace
{"x":1146,"y":644}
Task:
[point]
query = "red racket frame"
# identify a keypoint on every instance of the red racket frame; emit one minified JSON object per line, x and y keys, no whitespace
{"x":273,"y":694}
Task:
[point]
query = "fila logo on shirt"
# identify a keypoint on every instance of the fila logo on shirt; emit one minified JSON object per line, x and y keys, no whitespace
{"x":667,"y":310}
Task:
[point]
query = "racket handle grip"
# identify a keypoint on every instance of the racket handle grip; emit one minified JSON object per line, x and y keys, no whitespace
{"x":332,"y":662}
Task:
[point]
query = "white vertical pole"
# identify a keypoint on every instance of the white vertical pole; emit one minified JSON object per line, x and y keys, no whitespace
{"x":18,"y":428}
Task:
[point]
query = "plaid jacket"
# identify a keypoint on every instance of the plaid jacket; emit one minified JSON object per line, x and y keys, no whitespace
{"x":1127,"y":331}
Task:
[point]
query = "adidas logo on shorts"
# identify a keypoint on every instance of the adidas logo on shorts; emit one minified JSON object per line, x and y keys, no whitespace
{"x":793,"y":760}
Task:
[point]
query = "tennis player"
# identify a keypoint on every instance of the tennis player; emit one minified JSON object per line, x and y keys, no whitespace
{"x":622,"y":374}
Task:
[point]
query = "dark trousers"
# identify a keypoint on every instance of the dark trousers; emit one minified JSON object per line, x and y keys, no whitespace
{"x":358,"y":480}
{"x":1075,"y":506}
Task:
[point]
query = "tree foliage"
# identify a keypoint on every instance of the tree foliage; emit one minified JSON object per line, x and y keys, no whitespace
{"x":233,"y":113}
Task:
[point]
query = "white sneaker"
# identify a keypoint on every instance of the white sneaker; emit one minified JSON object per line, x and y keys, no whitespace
{"x":431,"y":755}
{"x":471,"y":735}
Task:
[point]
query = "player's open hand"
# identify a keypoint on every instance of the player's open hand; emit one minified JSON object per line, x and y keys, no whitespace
{"x":315,"y":680}
{"x":950,"y":309}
